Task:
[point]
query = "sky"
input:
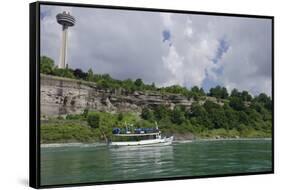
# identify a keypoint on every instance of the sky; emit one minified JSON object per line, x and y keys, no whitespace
{"x":165,"y":48}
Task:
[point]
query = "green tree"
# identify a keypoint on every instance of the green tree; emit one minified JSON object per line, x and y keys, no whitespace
{"x":201,"y":91}
{"x":90,"y":76}
{"x":265,"y":100}
{"x":268,"y":105}
{"x":177,"y":116}
{"x":219,"y":119}
{"x":106,"y":77}
{"x":209,"y":106}
{"x":176,"y":89}
{"x":241,"y":127}
{"x":199,"y":116}
{"x":246,"y":96}
{"x":195,"y":89}
{"x":243,"y":117}
{"x":161,"y":112}
{"x":85,"y":113}
{"x":224,"y":93}
{"x":231,"y":116}
{"x":219,"y":92}
{"x":129,"y":85}
{"x":152,"y":86}
{"x":63,"y":72}
{"x":235,"y":93}
{"x":236,"y":103}
{"x":79,"y":74}
{"x":103,"y":83}
{"x":196,"y":92}
{"x":93,"y":120}
{"x":197,"y":110}
{"x":253,"y":115}
{"x":215,"y":92}
{"x":46,"y":65}
{"x":258,"y":107}
{"x":139,"y":83}
{"x":120,"y":116}
{"x":147,"y":114}
{"x":262,"y":98}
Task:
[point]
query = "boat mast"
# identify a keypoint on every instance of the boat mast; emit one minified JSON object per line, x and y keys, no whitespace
{"x":156,"y":125}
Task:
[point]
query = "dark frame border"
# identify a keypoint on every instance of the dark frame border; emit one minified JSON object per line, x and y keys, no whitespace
{"x":34,"y":90}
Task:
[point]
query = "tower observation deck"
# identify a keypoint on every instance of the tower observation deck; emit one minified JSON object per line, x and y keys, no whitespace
{"x":66,"y":20}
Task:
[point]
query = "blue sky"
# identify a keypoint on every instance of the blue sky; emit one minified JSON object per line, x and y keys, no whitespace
{"x":166,"y":35}
{"x":165,"y":48}
{"x":221,"y":50}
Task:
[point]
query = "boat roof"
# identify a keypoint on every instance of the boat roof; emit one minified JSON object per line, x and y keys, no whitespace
{"x":135,"y":134}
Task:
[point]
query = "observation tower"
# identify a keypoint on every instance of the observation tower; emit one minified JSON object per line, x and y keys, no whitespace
{"x":66,"y":20}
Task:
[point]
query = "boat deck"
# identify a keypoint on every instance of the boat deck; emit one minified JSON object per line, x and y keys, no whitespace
{"x":134,"y":134}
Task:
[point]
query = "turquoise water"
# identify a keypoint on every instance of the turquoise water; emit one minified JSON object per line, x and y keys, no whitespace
{"x":96,"y":163}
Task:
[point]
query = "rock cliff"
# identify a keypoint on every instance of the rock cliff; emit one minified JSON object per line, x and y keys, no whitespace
{"x":60,"y":96}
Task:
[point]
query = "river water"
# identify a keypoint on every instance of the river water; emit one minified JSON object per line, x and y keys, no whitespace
{"x":97,"y":163}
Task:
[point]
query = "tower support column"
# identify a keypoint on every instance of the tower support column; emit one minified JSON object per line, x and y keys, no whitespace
{"x":63,"y":50}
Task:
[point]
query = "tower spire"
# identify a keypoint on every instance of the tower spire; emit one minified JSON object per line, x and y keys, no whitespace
{"x":66,"y":20}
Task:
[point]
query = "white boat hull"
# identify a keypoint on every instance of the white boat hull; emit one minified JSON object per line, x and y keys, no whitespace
{"x":160,"y":141}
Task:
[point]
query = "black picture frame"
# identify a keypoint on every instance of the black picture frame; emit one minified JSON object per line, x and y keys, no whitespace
{"x":34,"y":90}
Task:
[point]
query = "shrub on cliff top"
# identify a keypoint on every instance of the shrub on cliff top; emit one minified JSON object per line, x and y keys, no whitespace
{"x":46,"y":65}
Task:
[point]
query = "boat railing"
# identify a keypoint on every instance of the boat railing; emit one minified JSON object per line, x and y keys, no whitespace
{"x":135,"y":131}
{"x":135,"y":134}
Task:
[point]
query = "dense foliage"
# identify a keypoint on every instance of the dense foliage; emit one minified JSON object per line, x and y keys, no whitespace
{"x":93,"y":120}
{"x":218,"y":113}
{"x":233,"y":116}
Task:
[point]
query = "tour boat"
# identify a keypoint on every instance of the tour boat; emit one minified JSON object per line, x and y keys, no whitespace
{"x":139,"y":137}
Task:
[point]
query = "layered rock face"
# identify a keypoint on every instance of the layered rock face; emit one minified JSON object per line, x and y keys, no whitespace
{"x":61,"y":96}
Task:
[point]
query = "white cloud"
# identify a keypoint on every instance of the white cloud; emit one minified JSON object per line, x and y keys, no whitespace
{"x":167,"y":19}
{"x":195,"y":53}
{"x":174,"y":63}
